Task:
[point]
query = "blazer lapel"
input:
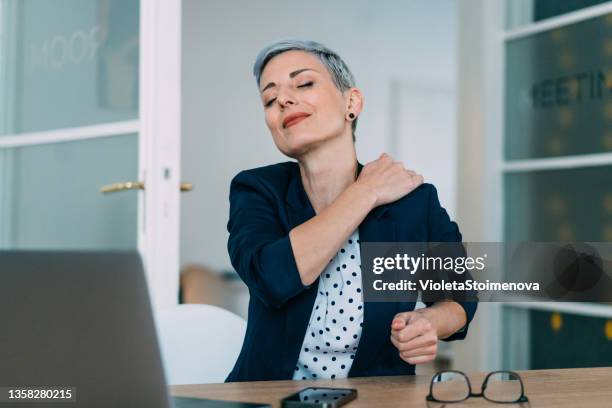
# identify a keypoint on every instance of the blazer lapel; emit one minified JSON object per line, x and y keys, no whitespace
{"x":299,"y":210}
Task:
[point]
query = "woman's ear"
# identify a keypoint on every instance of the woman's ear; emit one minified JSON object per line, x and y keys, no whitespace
{"x":354,"y":101}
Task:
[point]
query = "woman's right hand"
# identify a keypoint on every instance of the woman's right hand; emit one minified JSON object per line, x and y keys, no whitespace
{"x":388,"y":180}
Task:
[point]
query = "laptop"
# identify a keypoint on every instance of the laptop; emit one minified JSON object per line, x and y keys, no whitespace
{"x":81,"y":321}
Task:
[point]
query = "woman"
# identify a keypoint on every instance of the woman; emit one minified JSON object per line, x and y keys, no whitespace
{"x":295,"y":229}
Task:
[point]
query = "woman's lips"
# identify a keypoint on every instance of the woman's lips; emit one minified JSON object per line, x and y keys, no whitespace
{"x":295,"y":120}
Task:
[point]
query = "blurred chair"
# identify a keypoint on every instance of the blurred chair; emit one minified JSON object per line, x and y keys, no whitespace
{"x":203,"y":285}
{"x":199,"y":343}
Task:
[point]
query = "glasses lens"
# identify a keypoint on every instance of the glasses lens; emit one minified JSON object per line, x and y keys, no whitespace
{"x":448,"y":386}
{"x":503,"y":387}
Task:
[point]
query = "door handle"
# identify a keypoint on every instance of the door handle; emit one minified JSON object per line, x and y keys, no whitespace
{"x":136,"y":185}
{"x":186,"y":187}
{"x":127,"y":185}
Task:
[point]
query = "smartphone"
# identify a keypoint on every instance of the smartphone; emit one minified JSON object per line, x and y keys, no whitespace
{"x":319,"y":397}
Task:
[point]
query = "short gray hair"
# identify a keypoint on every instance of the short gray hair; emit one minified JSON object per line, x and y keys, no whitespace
{"x":339,"y":71}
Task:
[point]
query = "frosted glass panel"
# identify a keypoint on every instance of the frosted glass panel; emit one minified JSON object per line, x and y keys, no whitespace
{"x":559,"y":205}
{"x":559,"y":91}
{"x":67,"y":63}
{"x":523,"y":12}
{"x":50,"y":195}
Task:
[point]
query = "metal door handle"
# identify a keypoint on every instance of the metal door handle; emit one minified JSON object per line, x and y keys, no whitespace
{"x":136,"y":185}
{"x":186,"y":187}
{"x":127,"y":185}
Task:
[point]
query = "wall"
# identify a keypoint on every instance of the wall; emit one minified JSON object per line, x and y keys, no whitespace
{"x":396,"y":51}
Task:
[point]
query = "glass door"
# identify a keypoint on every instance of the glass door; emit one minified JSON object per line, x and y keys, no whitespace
{"x":80,"y":155}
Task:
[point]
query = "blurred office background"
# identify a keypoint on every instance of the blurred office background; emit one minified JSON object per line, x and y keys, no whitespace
{"x":437,"y":77}
{"x":506,"y":95}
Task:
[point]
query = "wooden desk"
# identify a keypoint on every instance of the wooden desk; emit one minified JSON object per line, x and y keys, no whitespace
{"x":579,"y":387}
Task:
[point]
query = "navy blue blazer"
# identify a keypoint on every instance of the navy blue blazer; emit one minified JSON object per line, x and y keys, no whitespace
{"x":265,"y":204}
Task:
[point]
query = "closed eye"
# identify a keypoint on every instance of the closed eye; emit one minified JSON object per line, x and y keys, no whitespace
{"x":305,"y":85}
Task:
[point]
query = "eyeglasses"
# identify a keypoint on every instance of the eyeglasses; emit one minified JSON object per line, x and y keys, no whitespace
{"x":498,"y":386}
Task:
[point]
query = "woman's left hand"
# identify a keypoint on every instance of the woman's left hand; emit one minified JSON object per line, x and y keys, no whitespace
{"x":415,"y":337}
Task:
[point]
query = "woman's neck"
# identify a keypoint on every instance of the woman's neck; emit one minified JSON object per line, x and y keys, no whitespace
{"x":328,"y":170}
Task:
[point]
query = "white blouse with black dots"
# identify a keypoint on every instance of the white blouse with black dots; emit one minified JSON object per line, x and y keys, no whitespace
{"x":336,"y":321}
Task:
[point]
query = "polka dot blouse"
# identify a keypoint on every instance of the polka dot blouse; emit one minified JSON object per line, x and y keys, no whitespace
{"x":336,"y":321}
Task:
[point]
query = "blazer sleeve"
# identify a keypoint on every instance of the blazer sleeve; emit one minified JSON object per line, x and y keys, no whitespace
{"x":442,"y":229}
{"x":258,"y":245}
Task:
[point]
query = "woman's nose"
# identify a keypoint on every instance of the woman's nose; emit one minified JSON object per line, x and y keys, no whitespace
{"x":285,"y":99}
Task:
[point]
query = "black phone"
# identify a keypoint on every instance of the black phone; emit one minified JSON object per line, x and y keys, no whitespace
{"x":319,"y":397}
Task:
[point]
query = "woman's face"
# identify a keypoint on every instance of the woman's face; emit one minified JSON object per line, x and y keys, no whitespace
{"x":303,"y":106}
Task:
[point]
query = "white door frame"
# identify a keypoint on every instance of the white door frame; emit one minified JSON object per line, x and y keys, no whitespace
{"x":159,"y":147}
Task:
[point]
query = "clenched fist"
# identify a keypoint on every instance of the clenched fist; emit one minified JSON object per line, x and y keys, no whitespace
{"x":415,"y":337}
